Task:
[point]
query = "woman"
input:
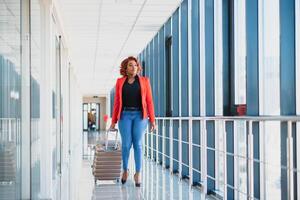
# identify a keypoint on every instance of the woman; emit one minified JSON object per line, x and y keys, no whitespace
{"x":132,"y":105}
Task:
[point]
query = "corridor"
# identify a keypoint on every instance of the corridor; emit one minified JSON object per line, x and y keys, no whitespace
{"x":206,"y":91}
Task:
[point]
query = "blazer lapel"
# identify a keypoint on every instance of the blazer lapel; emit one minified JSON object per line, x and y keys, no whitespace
{"x":121,"y":86}
{"x":141,"y":85}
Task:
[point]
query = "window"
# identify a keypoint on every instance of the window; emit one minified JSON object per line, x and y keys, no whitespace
{"x":168,"y":76}
{"x":234,"y":52}
{"x":239,"y":52}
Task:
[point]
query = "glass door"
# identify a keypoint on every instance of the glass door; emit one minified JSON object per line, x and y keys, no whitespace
{"x":57,"y":120}
{"x":85,"y":116}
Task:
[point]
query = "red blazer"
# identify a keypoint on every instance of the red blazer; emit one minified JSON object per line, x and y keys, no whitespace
{"x":147,"y":102}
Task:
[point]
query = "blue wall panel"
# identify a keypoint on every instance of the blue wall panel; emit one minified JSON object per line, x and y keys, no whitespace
{"x":175,"y":61}
{"x":1,"y":86}
{"x":167,"y":34}
{"x":195,"y":59}
{"x":175,"y":144}
{"x":161,"y":73}
{"x":209,"y":61}
{"x":252,"y":83}
{"x":196,"y":150}
{"x":210,"y":127}
{"x":209,"y":91}
{"x":196,"y":132}
{"x":156,"y":77}
{"x":230,"y":158}
{"x":184,"y":59}
{"x":287,"y":58}
{"x":167,"y":142}
{"x":185,"y":147}
{"x":226,"y":59}
{"x":252,"y":91}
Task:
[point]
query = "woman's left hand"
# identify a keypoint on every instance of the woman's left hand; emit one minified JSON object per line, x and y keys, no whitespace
{"x":152,"y":126}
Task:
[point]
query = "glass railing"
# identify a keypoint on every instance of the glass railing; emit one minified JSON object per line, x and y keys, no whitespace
{"x":238,"y":157}
{"x":9,"y":157}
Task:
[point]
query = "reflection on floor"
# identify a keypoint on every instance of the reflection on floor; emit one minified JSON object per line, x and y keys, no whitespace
{"x":157,"y":183}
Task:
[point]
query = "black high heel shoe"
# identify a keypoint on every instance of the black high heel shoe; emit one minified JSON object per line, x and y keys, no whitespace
{"x":137,"y":183}
{"x":123,"y":181}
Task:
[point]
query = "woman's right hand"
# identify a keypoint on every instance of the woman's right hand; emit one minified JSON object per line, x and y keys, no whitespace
{"x":112,"y":126}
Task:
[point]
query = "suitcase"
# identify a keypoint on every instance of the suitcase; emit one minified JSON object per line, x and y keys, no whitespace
{"x":107,"y":158}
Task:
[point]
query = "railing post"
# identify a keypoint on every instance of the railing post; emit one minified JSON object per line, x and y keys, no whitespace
{"x":204,"y":155}
{"x":290,"y":163}
{"x":250,"y":160}
{"x":171,"y":145}
{"x":152,"y":151}
{"x":147,"y":142}
{"x":180,"y":149}
{"x":163,"y":144}
{"x":157,"y":148}
{"x":225,"y":157}
{"x":190,"y":152}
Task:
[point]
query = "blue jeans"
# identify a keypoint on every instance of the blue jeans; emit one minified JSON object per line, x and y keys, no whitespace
{"x":132,"y":127}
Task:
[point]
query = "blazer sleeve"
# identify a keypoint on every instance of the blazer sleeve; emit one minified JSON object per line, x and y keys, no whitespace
{"x":149,"y":101}
{"x":116,"y":104}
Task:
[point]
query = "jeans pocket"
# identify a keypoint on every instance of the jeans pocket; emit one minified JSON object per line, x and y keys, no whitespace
{"x":123,"y":114}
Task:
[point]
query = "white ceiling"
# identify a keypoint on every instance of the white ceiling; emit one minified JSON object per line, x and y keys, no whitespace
{"x":104,"y":32}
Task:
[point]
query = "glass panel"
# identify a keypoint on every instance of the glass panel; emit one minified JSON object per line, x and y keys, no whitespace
{"x":273,"y":158}
{"x":240,"y":51}
{"x":242,"y":174}
{"x":195,"y":58}
{"x":184,"y":58}
{"x":220,"y":173}
{"x":240,"y":130}
{"x":269,"y":59}
{"x":35,"y":98}
{"x":10,"y":97}
{"x":242,"y":196}
{"x":219,"y":155}
{"x":218,"y":58}
{"x":240,"y":139}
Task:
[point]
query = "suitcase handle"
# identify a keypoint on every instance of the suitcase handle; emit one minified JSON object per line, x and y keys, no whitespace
{"x":116,"y":140}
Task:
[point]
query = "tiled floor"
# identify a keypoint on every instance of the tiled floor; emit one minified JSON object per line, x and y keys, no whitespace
{"x":157,"y":183}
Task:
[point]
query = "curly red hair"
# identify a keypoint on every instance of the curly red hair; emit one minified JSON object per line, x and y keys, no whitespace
{"x":124,"y":64}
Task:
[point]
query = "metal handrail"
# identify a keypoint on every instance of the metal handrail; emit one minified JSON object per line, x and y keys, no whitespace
{"x":292,"y":118}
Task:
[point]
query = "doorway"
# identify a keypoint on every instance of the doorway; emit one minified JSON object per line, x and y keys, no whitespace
{"x":91,"y":116}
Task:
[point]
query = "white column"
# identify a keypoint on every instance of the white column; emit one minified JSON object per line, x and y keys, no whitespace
{"x":179,"y":81}
{"x":269,"y":57}
{"x":203,"y":154}
{"x":269,"y":96}
{"x":25,"y":101}
{"x":218,"y":78}
{"x":202,"y":56}
{"x":46,"y":96}
{"x":218,"y":57}
{"x":190,"y":130}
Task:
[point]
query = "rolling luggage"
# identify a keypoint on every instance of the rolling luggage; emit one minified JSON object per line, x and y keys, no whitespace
{"x":107,"y":159}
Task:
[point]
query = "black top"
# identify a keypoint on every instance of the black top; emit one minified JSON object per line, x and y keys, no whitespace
{"x":131,"y":94}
